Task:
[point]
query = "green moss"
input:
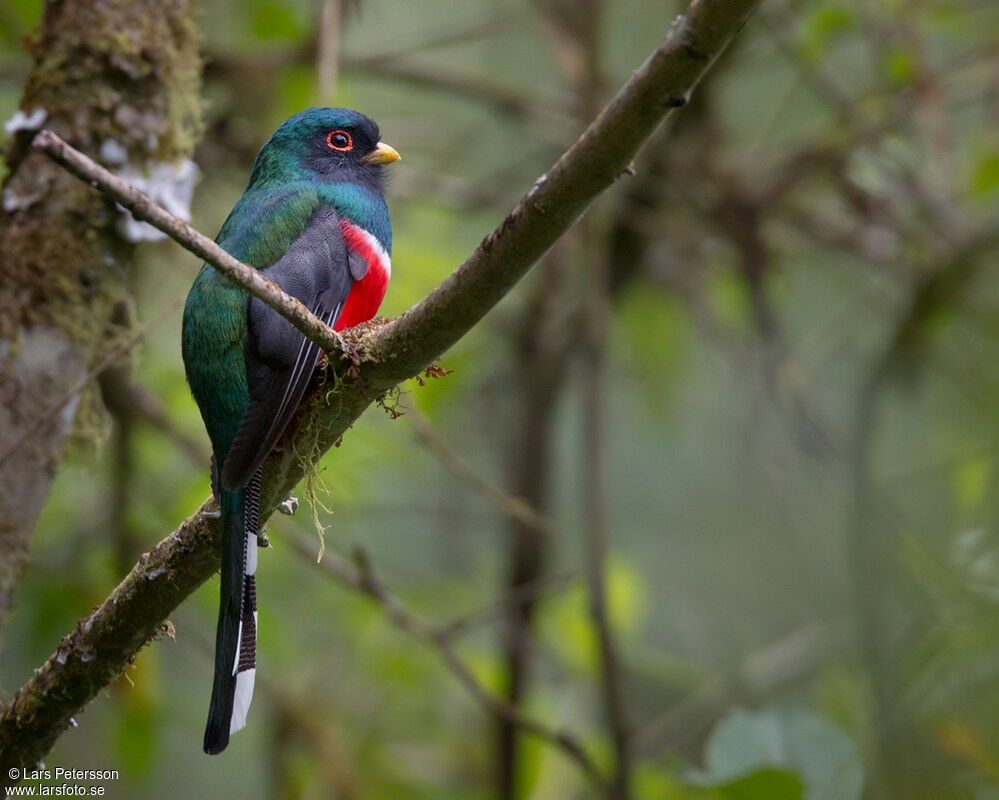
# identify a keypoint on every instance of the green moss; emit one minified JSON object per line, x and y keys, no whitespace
{"x":91,"y":423}
{"x":127,"y":71}
{"x":308,"y":449}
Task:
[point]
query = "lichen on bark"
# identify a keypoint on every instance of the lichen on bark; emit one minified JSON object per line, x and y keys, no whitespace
{"x":122,"y":71}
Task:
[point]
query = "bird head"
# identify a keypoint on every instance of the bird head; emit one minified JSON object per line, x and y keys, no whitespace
{"x":330,"y":144}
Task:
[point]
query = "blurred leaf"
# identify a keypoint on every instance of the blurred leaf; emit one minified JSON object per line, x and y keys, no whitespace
{"x":567,"y":623}
{"x":764,"y":784}
{"x":272,"y":20}
{"x":727,"y":297}
{"x":655,"y":781}
{"x":533,"y":755}
{"x":761,"y":784}
{"x":825,"y":757}
{"x":985,"y":178}
{"x":487,"y":667}
{"x":655,"y":334}
{"x":24,"y":14}
{"x":825,"y":24}
{"x":900,"y":66}
{"x":970,"y":481}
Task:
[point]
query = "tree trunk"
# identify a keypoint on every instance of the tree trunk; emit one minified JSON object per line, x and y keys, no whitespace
{"x":119,"y":81}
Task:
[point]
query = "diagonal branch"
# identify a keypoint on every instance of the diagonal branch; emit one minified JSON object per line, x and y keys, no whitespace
{"x":105,"y":642}
{"x":144,"y":209}
{"x":515,"y":507}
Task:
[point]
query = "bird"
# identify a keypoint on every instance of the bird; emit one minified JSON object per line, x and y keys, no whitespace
{"x":314,"y":220}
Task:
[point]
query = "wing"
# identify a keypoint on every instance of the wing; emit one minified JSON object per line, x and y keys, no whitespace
{"x":280,"y":360}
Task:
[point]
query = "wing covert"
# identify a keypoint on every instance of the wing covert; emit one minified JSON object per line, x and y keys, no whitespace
{"x":280,"y":360}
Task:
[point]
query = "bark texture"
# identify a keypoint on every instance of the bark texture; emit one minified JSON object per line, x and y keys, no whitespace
{"x":104,"y":71}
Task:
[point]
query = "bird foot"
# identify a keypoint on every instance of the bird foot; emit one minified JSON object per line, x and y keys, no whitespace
{"x":262,"y":540}
{"x":288,"y":506}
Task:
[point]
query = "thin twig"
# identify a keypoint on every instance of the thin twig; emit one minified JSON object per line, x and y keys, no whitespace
{"x":453,"y":461}
{"x":460,"y":36}
{"x":362,"y":578}
{"x":512,"y":598}
{"x":548,"y":114}
{"x":144,"y":209}
{"x":145,"y":407}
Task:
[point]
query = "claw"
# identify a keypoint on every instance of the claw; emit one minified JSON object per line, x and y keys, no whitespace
{"x":262,"y":540}
{"x":289,"y":506}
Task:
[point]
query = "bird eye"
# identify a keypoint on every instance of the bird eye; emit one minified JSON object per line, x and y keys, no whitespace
{"x":339,"y":141}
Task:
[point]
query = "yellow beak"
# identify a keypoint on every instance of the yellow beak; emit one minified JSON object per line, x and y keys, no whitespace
{"x":382,"y":154}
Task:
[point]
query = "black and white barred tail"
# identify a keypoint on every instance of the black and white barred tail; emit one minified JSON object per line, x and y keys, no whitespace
{"x":236,"y":635}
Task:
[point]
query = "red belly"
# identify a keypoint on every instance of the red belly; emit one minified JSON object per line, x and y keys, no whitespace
{"x":364,"y":299}
{"x":367,"y":294}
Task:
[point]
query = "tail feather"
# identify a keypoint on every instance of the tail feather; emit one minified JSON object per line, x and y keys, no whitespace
{"x":236,"y":635}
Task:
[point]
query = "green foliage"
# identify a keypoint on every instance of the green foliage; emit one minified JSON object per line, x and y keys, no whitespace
{"x":826,"y":23}
{"x":271,"y":20}
{"x":761,"y":784}
{"x":985,"y":179}
{"x":900,"y":66}
{"x":654,"y":342}
{"x":567,"y":623}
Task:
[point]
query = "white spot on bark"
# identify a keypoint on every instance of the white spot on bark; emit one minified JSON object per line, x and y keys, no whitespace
{"x":30,"y":121}
{"x":538,"y":184}
{"x":12,"y":201}
{"x":112,"y":152}
{"x":169,"y":185}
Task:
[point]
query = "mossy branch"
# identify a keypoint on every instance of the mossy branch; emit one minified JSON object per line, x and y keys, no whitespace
{"x":107,"y":640}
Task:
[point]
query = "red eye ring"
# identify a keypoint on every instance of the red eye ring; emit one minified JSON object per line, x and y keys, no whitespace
{"x":340,"y":141}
